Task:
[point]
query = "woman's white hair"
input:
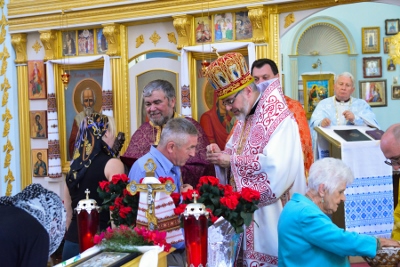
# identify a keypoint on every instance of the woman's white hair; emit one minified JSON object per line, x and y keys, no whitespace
{"x":330,"y":172}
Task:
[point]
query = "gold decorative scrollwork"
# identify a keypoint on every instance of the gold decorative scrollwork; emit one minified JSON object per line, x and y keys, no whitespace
{"x":182,"y":25}
{"x":49,"y":41}
{"x":36,"y":46}
{"x":112,"y":33}
{"x":289,"y":20}
{"x":139,"y":40}
{"x":8,"y":179}
{"x":4,"y":87}
{"x":171,"y":37}
{"x":258,"y":18}
{"x":8,"y":147}
{"x":155,"y":38}
{"x":18,"y":41}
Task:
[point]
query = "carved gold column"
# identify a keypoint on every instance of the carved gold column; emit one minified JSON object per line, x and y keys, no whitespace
{"x":265,"y":23}
{"x":18,"y":41}
{"x":116,"y":36}
{"x":49,"y":40}
{"x":273,"y":33}
{"x":183,"y":27}
{"x":259,"y":22}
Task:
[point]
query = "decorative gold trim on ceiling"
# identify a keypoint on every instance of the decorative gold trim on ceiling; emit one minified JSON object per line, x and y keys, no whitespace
{"x":312,"y":4}
{"x":46,"y":14}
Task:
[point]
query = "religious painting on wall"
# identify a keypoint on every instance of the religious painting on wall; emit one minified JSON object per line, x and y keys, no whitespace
{"x":374,"y":92}
{"x":212,"y":115}
{"x":390,"y":65}
{"x":370,"y":40}
{"x":396,"y":92}
{"x":386,"y":42}
{"x":84,"y":85}
{"x":39,"y":162}
{"x":243,"y":27}
{"x":86,"y":42}
{"x":37,"y":79}
{"x":38,"y":123}
{"x":102,"y":44}
{"x":316,"y":88}
{"x":69,"y":43}
{"x":392,"y":26}
{"x":203,"y":30}
{"x":372,"y":67}
{"x":223,"y":27}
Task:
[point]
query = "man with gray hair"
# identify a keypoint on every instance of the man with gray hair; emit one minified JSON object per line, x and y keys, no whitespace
{"x":177,"y":145}
{"x":342,"y":108}
{"x":88,"y":99}
{"x":390,"y":146}
{"x":159,"y":101}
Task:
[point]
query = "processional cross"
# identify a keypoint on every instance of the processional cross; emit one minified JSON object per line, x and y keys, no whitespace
{"x":151,"y":190}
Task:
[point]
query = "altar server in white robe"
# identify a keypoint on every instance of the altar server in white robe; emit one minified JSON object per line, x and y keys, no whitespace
{"x":342,"y":108}
{"x":263,"y":153}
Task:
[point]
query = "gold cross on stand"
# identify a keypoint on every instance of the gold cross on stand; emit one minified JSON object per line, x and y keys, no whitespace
{"x":151,"y":190}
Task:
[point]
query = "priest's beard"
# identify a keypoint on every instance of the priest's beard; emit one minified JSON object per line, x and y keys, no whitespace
{"x":243,"y":112}
{"x":163,"y":119}
{"x":88,"y":110}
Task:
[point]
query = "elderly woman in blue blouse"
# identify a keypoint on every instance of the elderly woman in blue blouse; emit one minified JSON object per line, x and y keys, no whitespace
{"x":306,"y":234}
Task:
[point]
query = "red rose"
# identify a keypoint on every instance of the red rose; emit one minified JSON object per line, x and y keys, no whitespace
{"x":249,"y":194}
{"x":126,"y":192}
{"x":176,"y":197}
{"x":188,"y":195}
{"x":226,"y":188}
{"x":124,"y":211}
{"x":212,"y":217}
{"x":163,"y":180}
{"x":230,"y":201}
{"x":208,"y":180}
{"x":180,"y":209}
{"x":118,"y":201}
{"x":104,"y":185}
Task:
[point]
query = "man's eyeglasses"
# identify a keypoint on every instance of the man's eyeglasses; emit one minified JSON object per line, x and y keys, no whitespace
{"x":393,"y":162}
{"x":230,"y":101}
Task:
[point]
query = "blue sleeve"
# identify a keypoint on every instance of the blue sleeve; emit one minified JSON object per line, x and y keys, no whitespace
{"x":136,"y":173}
{"x":366,"y":113}
{"x":319,"y":230}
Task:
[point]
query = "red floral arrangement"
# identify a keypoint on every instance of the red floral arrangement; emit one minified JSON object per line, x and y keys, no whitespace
{"x":126,"y":239}
{"x":120,"y":202}
{"x":220,"y":200}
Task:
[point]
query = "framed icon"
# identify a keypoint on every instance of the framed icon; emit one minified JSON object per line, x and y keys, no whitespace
{"x":374,"y":92}
{"x":69,"y":43}
{"x":40,"y":162}
{"x":38,"y":124}
{"x":372,"y":67}
{"x":392,"y":26}
{"x":370,"y":40}
{"x":37,"y":80}
{"x":316,"y":88}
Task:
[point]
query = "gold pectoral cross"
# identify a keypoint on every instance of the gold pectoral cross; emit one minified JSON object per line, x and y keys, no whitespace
{"x":151,"y":190}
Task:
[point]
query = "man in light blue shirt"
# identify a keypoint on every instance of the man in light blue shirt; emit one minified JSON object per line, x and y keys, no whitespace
{"x":177,"y":144}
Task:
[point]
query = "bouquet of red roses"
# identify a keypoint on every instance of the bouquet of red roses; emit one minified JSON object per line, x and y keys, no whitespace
{"x":220,"y":200}
{"x":119,"y":201}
